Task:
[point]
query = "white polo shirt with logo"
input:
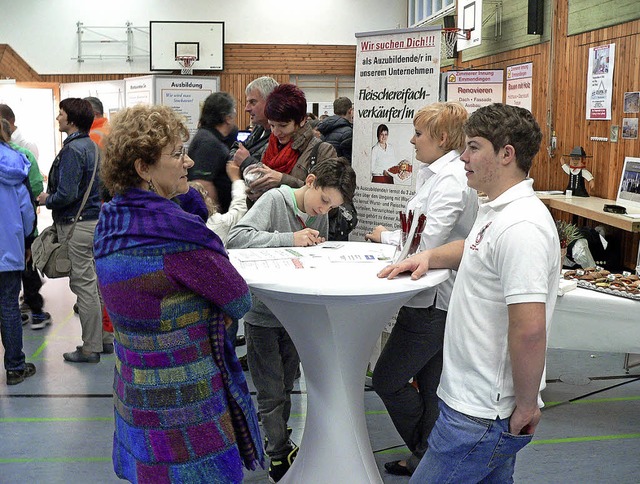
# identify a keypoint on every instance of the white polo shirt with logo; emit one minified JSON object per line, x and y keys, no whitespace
{"x":512,"y":255}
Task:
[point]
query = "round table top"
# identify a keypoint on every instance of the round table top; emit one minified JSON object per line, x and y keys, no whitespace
{"x":348,"y":270}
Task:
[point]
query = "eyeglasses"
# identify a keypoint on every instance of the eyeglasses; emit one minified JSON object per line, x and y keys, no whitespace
{"x":179,"y":154}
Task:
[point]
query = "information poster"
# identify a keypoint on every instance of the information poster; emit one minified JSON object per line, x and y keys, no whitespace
{"x":138,"y":90}
{"x":475,"y":89}
{"x":519,"y":81}
{"x":397,"y":73}
{"x":600,"y":81}
{"x":185,"y":94}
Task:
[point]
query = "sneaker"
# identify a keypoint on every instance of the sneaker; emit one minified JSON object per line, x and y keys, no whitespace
{"x":78,"y":356}
{"x":279,"y":467}
{"x":107,"y":348}
{"x":40,"y":320}
{"x":17,"y":376}
{"x":26,"y":317}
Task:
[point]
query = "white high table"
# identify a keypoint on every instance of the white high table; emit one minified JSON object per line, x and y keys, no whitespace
{"x":334,"y":313}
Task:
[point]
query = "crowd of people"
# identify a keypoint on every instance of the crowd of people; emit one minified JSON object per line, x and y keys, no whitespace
{"x":149,"y":216}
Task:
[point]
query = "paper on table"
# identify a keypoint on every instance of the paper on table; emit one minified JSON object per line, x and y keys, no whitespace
{"x":273,"y":264}
{"x":565,"y":286}
{"x":244,"y":255}
{"x":353,"y":258}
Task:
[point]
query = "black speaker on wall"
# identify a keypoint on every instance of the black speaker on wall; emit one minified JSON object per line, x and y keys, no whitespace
{"x":535,"y":17}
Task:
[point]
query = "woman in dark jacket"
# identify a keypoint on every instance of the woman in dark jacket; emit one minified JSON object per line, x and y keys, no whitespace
{"x":69,"y":179}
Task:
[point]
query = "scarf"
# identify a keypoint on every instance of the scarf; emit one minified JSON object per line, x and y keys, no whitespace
{"x":142,"y":218}
{"x":283,"y":159}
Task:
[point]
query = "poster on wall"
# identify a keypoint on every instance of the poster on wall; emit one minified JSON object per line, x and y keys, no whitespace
{"x":632,"y":102}
{"x":397,"y":73}
{"x":475,"y":89}
{"x":325,"y":109}
{"x":629,"y":128}
{"x":600,"y":81}
{"x":519,"y":81}
{"x":184,"y":94}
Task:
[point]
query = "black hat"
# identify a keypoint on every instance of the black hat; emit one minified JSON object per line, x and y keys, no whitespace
{"x":579,"y":151}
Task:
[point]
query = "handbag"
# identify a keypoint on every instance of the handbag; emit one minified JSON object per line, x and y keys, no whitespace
{"x":48,"y":254}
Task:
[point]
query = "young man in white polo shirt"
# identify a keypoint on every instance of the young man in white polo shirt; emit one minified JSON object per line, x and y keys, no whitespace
{"x":500,"y":309}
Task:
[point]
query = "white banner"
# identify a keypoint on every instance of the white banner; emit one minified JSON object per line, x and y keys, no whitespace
{"x":475,"y":89}
{"x":519,"y":81}
{"x":397,"y":73}
{"x":600,"y":81}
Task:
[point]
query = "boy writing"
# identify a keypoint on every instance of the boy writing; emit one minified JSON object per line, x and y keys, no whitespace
{"x":285,"y":217}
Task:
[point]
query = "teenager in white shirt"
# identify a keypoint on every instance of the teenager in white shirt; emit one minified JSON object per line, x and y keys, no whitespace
{"x":500,"y":309}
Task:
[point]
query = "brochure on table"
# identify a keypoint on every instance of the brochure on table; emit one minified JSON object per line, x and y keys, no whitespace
{"x":319,"y":256}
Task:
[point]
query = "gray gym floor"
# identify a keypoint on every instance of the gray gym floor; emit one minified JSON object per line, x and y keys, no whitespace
{"x":56,"y":427}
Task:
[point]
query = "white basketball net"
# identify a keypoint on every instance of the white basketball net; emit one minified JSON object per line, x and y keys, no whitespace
{"x":186,"y":61}
{"x":449,"y":39}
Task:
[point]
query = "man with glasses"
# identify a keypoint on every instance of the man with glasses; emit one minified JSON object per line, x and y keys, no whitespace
{"x":209,"y":151}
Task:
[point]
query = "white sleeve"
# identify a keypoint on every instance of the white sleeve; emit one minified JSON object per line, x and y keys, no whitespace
{"x":443,"y":206}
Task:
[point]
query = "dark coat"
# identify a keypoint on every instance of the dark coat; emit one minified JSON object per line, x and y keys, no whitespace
{"x":338,"y":132}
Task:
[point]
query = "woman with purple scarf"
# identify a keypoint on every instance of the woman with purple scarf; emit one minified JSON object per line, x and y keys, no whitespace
{"x":183,"y":412}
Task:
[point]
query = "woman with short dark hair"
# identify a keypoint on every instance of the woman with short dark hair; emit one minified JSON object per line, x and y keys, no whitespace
{"x":287,"y":159}
{"x":69,"y":179}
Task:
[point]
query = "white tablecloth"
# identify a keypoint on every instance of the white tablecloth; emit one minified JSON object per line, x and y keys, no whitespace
{"x":590,"y":320}
{"x":334,"y":313}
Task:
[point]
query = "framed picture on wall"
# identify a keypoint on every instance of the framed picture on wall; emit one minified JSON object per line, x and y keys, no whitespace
{"x":629,"y":128}
{"x":631,"y":102}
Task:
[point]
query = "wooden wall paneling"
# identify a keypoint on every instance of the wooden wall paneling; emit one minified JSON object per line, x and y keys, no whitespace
{"x":585,"y":15}
{"x":12,"y":66}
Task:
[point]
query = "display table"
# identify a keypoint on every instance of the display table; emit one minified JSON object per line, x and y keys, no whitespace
{"x":590,"y":320}
{"x":592,"y":209}
{"x":334,"y":313}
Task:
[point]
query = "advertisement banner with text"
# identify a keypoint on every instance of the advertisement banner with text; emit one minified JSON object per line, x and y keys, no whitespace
{"x":600,"y":81}
{"x":397,"y":73}
{"x":475,"y":89}
{"x":519,"y":85}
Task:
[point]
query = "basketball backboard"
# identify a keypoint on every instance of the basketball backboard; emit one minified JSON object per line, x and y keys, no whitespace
{"x":470,"y":18}
{"x":204,"y":40}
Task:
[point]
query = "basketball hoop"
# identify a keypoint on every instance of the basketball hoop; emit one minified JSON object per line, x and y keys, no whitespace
{"x":449,"y":38}
{"x":186,"y":61}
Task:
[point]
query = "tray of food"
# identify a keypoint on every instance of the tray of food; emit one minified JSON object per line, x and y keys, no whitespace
{"x":598,"y":279}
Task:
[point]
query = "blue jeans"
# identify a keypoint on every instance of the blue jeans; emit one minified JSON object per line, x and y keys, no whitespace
{"x":465,"y":449}
{"x":10,"y":320}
